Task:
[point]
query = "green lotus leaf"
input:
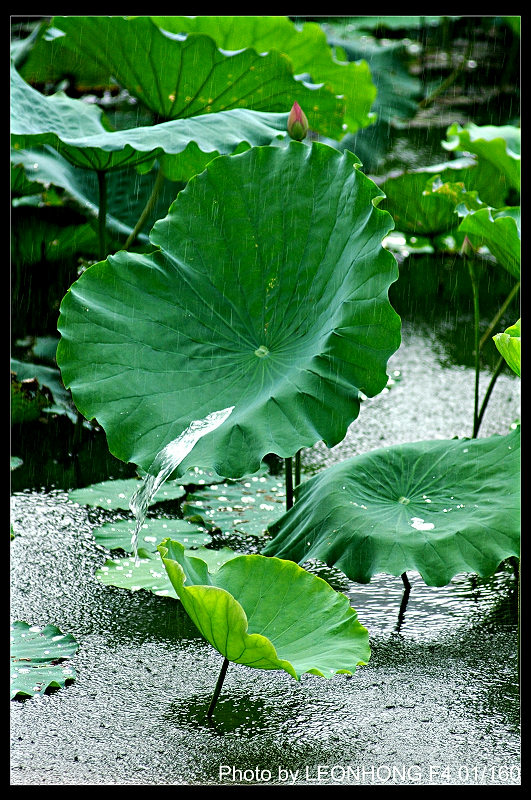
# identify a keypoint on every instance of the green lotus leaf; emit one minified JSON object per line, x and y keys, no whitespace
{"x":508,"y":343}
{"x":186,"y":76}
{"x":35,"y":653}
{"x":269,"y":293}
{"x":437,"y":507}
{"x":306,"y":47}
{"x":499,"y":230}
{"x":117,"y":535}
{"x":497,"y":148}
{"x":116,"y":494}
{"x":150,"y":574}
{"x":417,"y":201}
{"x":244,"y":507}
{"x":268,"y":613}
{"x":80,"y":133}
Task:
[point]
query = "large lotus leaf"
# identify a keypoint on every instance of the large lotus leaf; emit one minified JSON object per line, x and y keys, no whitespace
{"x":497,"y":148}
{"x":185,"y":76}
{"x":437,"y":507}
{"x":244,"y":507}
{"x":499,"y":230}
{"x":79,"y":132}
{"x":114,"y":494}
{"x":508,"y":343}
{"x":306,"y":47}
{"x":268,"y":613}
{"x":117,"y":535}
{"x":269,"y":293}
{"x":149,"y":573}
{"x":35,"y":653}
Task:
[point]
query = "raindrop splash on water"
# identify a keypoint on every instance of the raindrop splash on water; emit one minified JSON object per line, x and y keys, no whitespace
{"x":166,"y":462}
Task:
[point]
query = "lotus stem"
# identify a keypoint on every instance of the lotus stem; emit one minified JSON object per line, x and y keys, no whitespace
{"x":148,"y":208}
{"x":475,"y":294}
{"x":448,"y":80}
{"x":289,"y":483}
{"x":498,"y":316}
{"x":217,"y":690}
{"x":297,"y":478}
{"x":403,"y":602}
{"x":499,"y":366}
{"x":102,"y":212}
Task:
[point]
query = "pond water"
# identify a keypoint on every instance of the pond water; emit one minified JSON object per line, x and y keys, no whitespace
{"x":437,"y":704}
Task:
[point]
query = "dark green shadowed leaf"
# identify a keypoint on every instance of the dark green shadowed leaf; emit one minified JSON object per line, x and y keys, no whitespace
{"x":268,"y":613}
{"x":437,"y":507}
{"x":269,"y":293}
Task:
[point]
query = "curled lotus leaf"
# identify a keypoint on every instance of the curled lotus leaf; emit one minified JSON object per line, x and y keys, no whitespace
{"x":268,"y":292}
{"x":508,"y":344}
{"x":79,"y":132}
{"x":438,"y":508}
{"x":268,"y":613}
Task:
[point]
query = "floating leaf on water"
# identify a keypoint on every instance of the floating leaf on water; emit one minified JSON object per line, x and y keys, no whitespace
{"x":35,"y":653}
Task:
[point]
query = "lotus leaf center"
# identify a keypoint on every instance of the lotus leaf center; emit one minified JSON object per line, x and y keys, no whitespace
{"x":262,"y":351}
{"x":404,"y":500}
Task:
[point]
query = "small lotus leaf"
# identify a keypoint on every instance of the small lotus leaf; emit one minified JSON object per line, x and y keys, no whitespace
{"x":497,"y":148}
{"x":115,"y":494}
{"x":499,"y":230}
{"x":35,"y":653}
{"x":508,"y":343}
{"x":268,"y":613}
{"x":436,"y":507}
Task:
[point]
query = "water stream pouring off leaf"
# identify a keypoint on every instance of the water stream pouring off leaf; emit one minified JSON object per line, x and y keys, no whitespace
{"x":165,"y":463}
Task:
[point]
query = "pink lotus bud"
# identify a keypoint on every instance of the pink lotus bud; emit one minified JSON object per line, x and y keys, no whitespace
{"x":297,"y":123}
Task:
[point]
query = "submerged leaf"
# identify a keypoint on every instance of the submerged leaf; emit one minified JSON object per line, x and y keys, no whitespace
{"x":269,"y":293}
{"x":35,"y":652}
{"x":437,"y":507}
{"x":268,"y":614}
